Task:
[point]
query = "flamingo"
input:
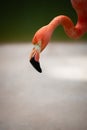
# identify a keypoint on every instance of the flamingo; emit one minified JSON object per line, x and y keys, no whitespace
{"x":43,"y":35}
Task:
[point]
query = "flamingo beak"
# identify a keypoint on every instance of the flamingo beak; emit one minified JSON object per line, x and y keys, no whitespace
{"x":35,"y":64}
{"x":34,"y":59}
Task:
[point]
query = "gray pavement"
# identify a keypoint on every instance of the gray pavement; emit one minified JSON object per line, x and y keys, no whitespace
{"x":53,"y":100}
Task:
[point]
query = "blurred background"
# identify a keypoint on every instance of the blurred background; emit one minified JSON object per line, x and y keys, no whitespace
{"x":20,"y":19}
{"x":55,"y":99}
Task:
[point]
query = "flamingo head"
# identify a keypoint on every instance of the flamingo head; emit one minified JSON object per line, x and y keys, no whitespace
{"x":42,"y":37}
{"x":40,"y":41}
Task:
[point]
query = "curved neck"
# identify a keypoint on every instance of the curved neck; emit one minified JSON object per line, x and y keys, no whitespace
{"x":65,"y":22}
{"x":71,"y":30}
{"x":82,"y":19}
{"x":54,"y":23}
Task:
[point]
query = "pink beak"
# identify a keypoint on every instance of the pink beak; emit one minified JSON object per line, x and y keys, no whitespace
{"x":34,"y":58}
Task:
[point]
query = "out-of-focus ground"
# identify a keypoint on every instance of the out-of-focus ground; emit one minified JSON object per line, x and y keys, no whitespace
{"x":53,"y":100}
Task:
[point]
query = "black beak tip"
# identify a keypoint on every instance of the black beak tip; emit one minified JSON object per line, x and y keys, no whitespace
{"x":36,"y":64}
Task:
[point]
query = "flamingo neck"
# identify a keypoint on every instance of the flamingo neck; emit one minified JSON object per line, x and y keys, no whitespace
{"x":54,"y":23}
{"x":82,"y":23}
{"x":82,"y":19}
{"x":71,"y":30}
{"x":65,"y":22}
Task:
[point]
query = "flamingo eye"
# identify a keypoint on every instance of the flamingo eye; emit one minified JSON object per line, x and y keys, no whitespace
{"x":38,"y":46}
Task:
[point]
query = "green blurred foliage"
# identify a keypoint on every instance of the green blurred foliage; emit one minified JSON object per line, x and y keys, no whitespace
{"x":19,"y":20}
